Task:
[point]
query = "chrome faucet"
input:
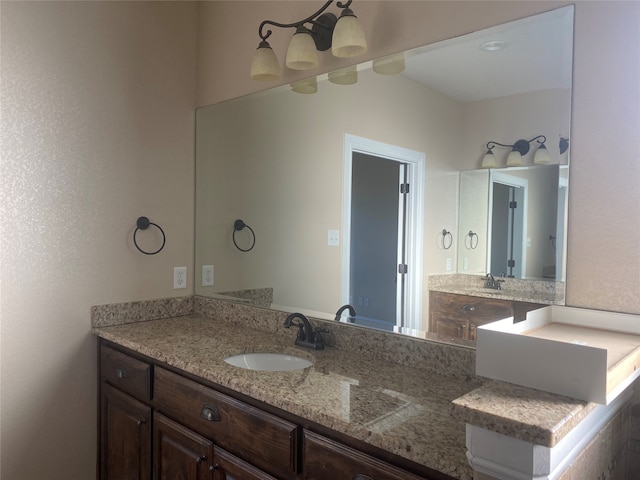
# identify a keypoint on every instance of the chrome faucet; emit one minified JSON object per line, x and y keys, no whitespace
{"x":352,"y":313}
{"x":491,"y":282}
{"x":307,"y":337}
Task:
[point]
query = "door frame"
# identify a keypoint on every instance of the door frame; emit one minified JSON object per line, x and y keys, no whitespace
{"x":415,"y":161}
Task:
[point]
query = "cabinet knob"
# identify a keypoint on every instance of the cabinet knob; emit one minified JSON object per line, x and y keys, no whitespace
{"x":468,"y":307}
{"x":120,"y":373}
{"x":360,"y":476}
{"x":214,"y":467}
{"x":140,"y":422}
{"x":210,"y":413}
{"x":201,"y":459}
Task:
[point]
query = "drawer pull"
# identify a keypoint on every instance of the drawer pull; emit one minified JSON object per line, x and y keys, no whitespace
{"x":468,"y":308}
{"x":359,"y":476}
{"x":120,"y":373}
{"x":210,"y":413}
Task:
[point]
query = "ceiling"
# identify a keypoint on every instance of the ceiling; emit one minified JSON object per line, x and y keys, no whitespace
{"x":537,"y":56}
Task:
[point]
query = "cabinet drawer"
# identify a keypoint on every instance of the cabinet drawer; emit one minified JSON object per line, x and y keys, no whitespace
{"x":325,"y":458}
{"x":466,"y":306}
{"x":264,"y":439}
{"x":125,"y":373}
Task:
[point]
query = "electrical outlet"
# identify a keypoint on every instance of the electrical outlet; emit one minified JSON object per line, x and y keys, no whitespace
{"x":207,"y":275}
{"x":179,"y":277}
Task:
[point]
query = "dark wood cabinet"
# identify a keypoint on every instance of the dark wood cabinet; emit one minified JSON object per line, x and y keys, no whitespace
{"x":327,"y":459}
{"x":158,"y":424}
{"x":459,"y":316}
{"x":125,"y":436}
{"x":179,"y":453}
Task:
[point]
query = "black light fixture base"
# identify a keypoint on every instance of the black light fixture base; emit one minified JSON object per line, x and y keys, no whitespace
{"x":521,"y":146}
{"x":322,"y":30}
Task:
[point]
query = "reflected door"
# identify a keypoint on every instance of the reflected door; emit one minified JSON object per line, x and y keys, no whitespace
{"x":377,"y":239}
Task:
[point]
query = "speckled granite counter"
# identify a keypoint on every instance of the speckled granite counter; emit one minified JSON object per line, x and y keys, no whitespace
{"x":532,"y":291}
{"x":519,"y":412}
{"x":403,"y":410}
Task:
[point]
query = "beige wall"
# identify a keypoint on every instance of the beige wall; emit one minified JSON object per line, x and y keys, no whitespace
{"x":603,"y":267}
{"x":97,"y":125}
{"x":97,"y":130}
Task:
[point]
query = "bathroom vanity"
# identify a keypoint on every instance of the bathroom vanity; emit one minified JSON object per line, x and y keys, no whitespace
{"x":170,"y":406}
{"x":372,"y":405}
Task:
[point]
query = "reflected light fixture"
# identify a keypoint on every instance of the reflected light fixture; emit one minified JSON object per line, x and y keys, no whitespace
{"x":306,"y":86}
{"x":344,"y":36}
{"x":518,"y":149}
{"x":344,"y":76}
{"x":391,"y":65}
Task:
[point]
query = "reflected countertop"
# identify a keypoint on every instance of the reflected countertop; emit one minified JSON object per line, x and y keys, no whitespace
{"x":400,"y":409}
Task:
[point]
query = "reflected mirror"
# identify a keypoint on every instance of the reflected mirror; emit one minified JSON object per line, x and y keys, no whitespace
{"x":512,"y":222}
{"x":289,"y":165}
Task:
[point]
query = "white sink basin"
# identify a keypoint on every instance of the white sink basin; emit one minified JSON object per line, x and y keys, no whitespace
{"x":270,"y":362}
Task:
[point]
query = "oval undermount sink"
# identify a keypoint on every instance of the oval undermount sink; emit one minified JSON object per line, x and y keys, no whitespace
{"x":269,"y":362}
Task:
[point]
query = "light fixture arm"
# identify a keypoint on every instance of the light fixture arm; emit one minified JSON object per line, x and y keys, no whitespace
{"x":309,"y":19}
{"x":521,"y":146}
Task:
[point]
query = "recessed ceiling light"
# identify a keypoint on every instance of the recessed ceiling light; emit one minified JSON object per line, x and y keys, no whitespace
{"x":493,"y":46}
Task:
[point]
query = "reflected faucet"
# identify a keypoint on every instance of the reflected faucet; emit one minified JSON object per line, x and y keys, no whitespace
{"x":491,"y":282}
{"x":307,"y":337}
{"x":352,"y":313}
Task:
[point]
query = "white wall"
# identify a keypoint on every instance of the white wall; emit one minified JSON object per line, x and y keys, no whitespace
{"x":97,"y":130}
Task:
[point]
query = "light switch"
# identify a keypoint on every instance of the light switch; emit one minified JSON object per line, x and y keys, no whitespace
{"x":333,"y":238}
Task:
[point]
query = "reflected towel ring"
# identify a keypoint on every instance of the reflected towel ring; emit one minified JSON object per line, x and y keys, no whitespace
{"x":239,"y":225}
{"x":471,"y":245}
{"x":142,"y":224}
{"x":446,"y":235}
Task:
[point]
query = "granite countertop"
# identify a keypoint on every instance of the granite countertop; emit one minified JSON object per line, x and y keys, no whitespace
{"x":400,"y":409}
{"x":524,"y":413}
{"x":542,"y":298}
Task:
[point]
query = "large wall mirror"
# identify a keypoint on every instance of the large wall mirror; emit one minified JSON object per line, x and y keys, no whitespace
{"x":317,"y":178}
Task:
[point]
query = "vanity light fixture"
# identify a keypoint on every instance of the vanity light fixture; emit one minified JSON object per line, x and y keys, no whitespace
{"x":344,"y":36}
{"x":391,"y":65}
{"x":518,"y":149}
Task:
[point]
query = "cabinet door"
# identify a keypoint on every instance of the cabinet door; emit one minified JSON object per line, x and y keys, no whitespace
{"x":179,"y":453}
{"x":452,"y":327}
{"x":326,"y":459}
{"x":230,"y":467}
{"x":125,"y":439}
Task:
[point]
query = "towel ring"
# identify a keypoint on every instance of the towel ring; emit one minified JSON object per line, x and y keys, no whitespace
{"x":142,"y":224}
{"x":240,"y":225}
{"x":471,"y":245}
{"x":447,"y":239}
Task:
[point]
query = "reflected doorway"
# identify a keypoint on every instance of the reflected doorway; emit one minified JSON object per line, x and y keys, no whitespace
{"x":508,"y":225}
{"x":382,"y":225}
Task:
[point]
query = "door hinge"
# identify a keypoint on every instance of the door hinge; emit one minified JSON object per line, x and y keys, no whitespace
{"x":511,"y":263}
{"x":403,"y":268}
{"x":513,"y":204}
{"x":404,"y":188}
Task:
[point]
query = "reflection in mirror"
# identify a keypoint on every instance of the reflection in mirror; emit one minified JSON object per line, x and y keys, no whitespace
{"x":276,"y":159}
{"x":517,"y":217}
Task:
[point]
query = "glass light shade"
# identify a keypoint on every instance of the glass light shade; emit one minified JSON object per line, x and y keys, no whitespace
{"x":306,"y":86}
{"x":265,"y":63}
{"x":489,"y":160}
{"x":514,"y":159}
{"x":542,"y":155}
{"x":391,"y":65}
{"x":302,"y":54}
{"x":348,"y":37}
{"x":344,"y":76}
